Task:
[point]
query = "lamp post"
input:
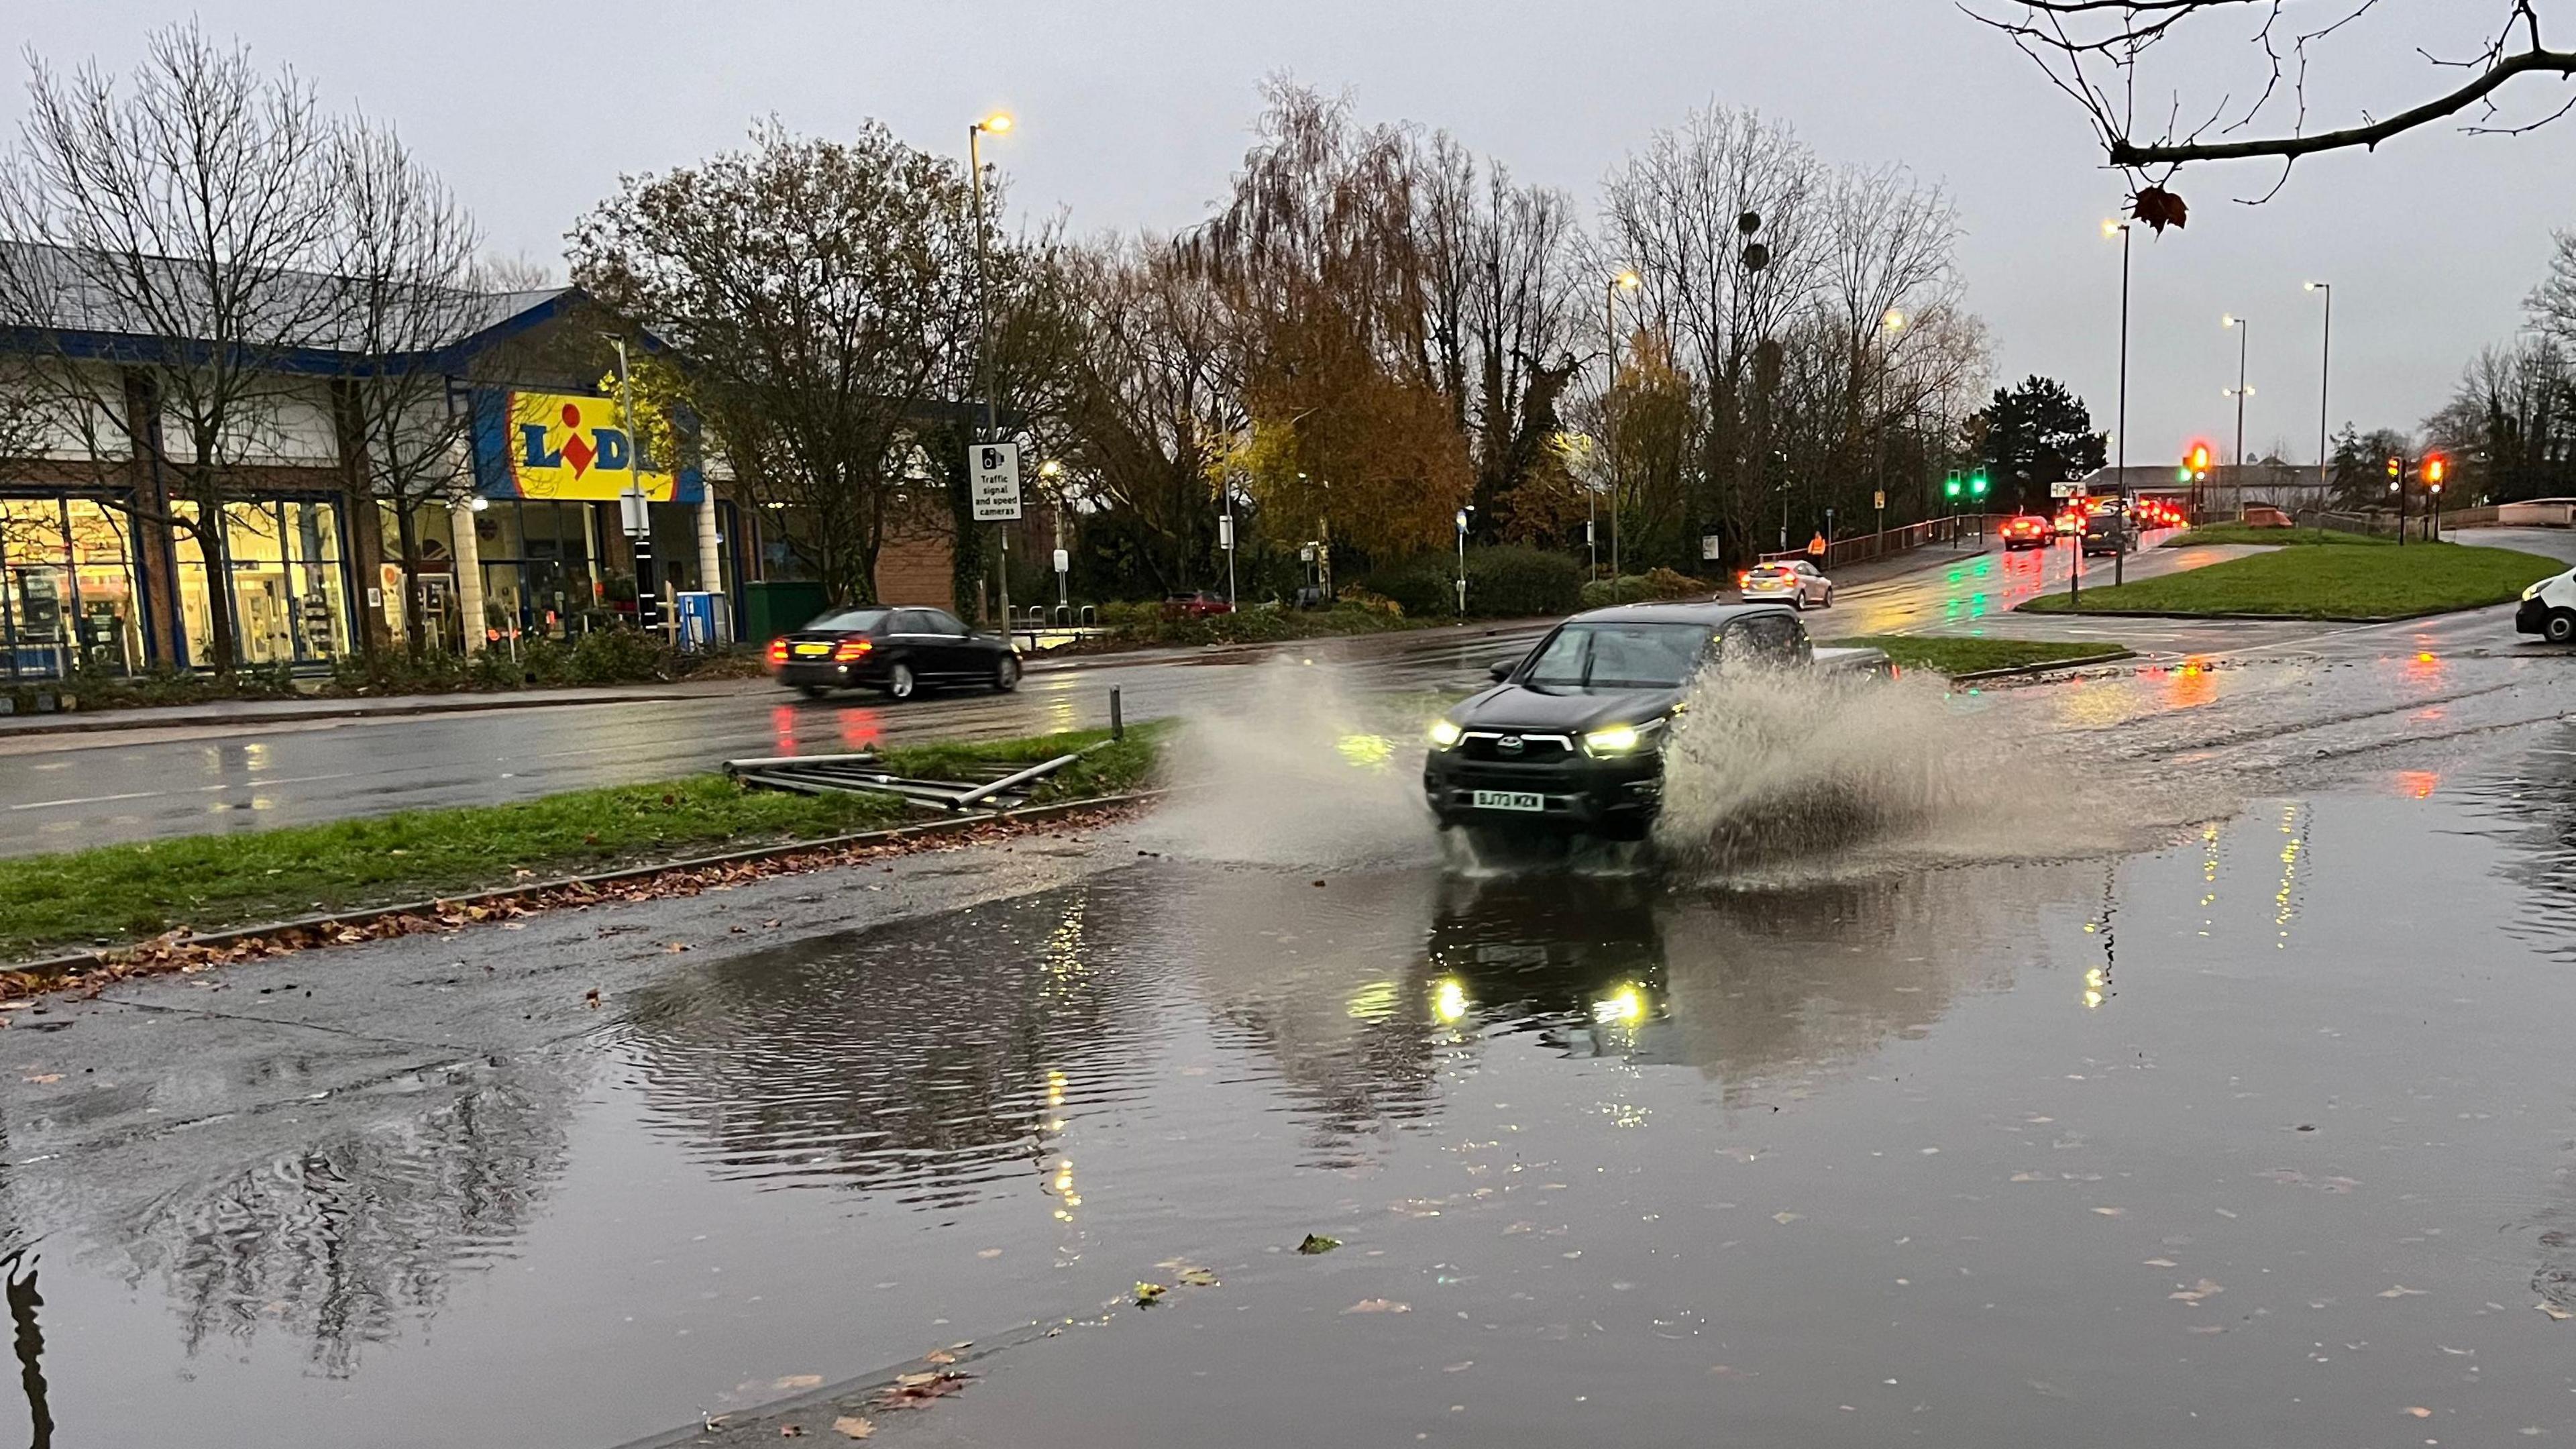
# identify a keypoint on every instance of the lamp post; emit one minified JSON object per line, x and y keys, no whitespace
{"x":995,"y":124}
{"x":1626,"y":281}
{"x":1053,"y":473}
{"x":2325,"y":377}
{"x":1462,"y":558}
{"x":2120,"y":434}
{"x":1891,"y":322}
{"x":639,"y":522}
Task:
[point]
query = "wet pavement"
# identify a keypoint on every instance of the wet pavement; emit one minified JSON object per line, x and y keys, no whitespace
{"x":64,"y":791}
{"x":2070,"y":1120}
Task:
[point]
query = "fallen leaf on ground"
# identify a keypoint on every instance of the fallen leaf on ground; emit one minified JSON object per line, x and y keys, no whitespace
{"x":798,"y":1381}
{"x":990,"y":1253}
{"x":2419,"y":1411}
{"x":2202,"y":1289}
{"x":1149,"y":1294}
{"x":2112,"y":1212}
{"x":1784,"y":1219}
{"x":850,"y":1426}
{"x":1379,"y":1305}
{"x":590,"y":998}
{"x":911,"y":1391}
{"x":2159,"y":1262}
{"x":43,"y":1078}
{"x":1318,"y":1243}
{"x":1197,"y":1278}
{"x":2554,"y":1311}
{"x":791,"y":1431}
{"x":939,"y":1355}
{"x":2402,"y":1291}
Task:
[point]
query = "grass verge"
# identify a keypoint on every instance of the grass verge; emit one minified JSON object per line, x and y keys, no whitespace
{"x":2240,"y":533}
{"x":1944,"y":655}
{"x":120,"y":892}
{"x":2325,"y":583}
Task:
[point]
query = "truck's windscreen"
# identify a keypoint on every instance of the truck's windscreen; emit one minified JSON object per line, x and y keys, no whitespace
{"x":1619,"y":656}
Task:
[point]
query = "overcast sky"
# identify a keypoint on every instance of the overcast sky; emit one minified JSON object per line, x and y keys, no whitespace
{"x":1134,"y":114}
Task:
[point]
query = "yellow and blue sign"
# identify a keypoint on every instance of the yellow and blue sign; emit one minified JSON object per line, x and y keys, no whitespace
{"x":570,"y":446}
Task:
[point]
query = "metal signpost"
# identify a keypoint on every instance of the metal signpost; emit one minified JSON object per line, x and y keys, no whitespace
{"x":2075,"y":575}
{"x":1225,"y":540}
{"x":634,"y":511}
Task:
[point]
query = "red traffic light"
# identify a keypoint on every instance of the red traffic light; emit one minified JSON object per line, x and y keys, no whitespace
{"x":2435,"y":465}
{"x":2200,"y":457}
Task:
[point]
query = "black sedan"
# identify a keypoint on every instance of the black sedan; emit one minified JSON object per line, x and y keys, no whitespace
{"x":897,"y":650}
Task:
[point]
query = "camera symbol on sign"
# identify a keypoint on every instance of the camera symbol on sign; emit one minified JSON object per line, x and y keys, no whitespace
{"x":992,"y":460}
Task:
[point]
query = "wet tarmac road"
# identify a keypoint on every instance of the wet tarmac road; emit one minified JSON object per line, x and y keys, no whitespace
{"x":63,"y":791}
{"x":2247,"y":1132}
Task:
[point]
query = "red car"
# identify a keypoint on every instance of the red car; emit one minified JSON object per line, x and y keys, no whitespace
{"x":2026,"y":530}
{"x":1200,"y":605}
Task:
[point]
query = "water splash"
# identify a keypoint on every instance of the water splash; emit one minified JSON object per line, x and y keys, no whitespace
{"x":1297,"y":772}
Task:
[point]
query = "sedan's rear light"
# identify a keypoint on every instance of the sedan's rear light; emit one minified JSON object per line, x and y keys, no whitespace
{"x":777,"y":651}
{"x":852,"y":649}
{"x":1744,"y":578}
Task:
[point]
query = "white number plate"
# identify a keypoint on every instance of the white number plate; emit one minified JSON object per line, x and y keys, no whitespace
{"x":1510,"y":800}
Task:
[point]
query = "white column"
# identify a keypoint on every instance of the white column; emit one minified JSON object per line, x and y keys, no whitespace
{"x":469,"y":573}
{"x":711,"y":567}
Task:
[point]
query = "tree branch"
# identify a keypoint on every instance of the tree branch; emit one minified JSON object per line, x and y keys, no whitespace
{"x":2562,"y":62}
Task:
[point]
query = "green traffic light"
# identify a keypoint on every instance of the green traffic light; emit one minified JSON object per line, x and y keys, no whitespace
{"x":1977,"y":483}
{"x":1951,"y":488}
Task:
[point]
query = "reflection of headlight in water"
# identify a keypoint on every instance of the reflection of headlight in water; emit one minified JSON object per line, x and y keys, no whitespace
{"x":1625,"y":1006}
{"x":1448,"y":1001}
{"x":1367,"y":752}
{"x":1373,"y":1002}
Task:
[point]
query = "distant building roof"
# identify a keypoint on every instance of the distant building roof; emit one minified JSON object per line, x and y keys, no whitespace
{"x":97,"y":299}
{"x":2167,"y":477}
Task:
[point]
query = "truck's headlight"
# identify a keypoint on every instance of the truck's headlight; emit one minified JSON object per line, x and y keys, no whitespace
{"x":1621,"y":739}
{"x":2534,"y":591}
{"x":1444,"y":733}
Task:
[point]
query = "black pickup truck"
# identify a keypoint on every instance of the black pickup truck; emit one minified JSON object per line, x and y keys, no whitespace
{"x":1571,"y":736}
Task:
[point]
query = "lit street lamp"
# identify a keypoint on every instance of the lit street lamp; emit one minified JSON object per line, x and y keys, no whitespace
{"x":1462,"y":558}
{"x":995,"y":124}
{"x":2325,"y":376}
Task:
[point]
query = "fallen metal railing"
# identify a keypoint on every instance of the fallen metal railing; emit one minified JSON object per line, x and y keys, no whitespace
{"x":865,"y":773}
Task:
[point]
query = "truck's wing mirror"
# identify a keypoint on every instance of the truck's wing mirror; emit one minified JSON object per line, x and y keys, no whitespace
{"x":1501,"y":669}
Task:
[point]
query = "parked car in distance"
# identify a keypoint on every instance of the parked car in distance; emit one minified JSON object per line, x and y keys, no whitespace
{"x":898,"y":651}
{"x":2026,"y":530}
{"x":1792,"y":581}
{"x":1199,"y":605}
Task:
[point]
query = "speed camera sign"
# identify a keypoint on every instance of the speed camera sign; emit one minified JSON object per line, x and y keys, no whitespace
{"x":993,"y":481}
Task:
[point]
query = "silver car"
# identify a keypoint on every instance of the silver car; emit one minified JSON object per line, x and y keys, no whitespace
{"x":1794,"y":580}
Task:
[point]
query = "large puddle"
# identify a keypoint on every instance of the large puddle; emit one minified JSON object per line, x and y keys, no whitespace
{"x":2262,"y":1137}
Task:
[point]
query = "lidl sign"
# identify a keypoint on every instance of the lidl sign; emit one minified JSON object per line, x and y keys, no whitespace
{"x":547,"y":445}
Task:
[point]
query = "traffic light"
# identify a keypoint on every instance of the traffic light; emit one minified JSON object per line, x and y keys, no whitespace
{"x":2435,"y":465}
{"x":1950,"y":486}
{"x":1977,"y":483}
{"x":2396,"y":468}
{"x":2199,"y":459}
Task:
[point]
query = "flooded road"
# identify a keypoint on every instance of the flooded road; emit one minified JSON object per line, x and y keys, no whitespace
{"x":2261,"y":1134}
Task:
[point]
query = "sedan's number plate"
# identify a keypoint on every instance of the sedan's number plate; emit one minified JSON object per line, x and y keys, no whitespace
{"x":809,"y":651}
{"x":1510,"y":800}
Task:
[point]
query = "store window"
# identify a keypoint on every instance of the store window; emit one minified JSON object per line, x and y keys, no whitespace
{"x":289,"y":582}
{"x":69,"y":593}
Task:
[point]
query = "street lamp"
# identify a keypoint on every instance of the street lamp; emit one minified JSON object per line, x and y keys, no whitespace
{"x":1052,"y":472}
{"x":1626,"y":281}
{"x":2120,"y":437}
{"x":2325,"y":377}
{"x":996,"y":124}
{"x":1462,"y":558}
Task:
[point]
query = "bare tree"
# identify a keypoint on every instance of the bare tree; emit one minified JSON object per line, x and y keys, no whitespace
{"x":404,"y":261}
{"x":1155,"y":412}
{"x":2095,"y":51}
{"x":2551,"y":307}
{"x":185,"y":217}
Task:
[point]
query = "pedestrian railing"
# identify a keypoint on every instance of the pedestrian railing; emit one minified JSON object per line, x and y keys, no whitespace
{"x":1861,"y":548}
